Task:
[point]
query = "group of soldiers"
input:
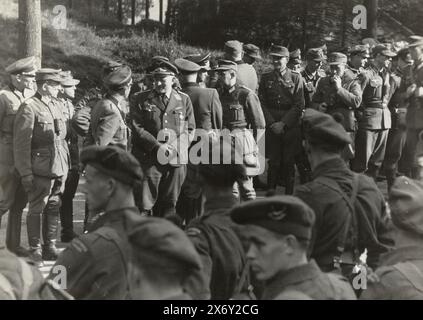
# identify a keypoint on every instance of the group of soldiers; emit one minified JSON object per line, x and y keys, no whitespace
{"x":162,"y":225}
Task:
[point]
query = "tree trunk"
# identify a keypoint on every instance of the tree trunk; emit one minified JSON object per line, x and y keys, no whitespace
{"x":70,"y":4}
{"x":344,"y":22}
{"x":119,"y":11}
{"x":371,"y":31}
{"x":30,"y":29}
{"x":168,"y":16}
{"x":90,"y":10}
{"x":106,"y":7}
{"x":147,"y":9}
{"x":161,"y":11}
{"x":304,"y":24}
{"x":133,"y":6}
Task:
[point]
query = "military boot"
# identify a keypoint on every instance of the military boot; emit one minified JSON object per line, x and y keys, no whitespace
{"x":33,"y":225}
{"x":50,"y":224}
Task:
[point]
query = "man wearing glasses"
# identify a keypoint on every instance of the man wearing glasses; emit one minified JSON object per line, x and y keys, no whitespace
{"x":42,"y":160}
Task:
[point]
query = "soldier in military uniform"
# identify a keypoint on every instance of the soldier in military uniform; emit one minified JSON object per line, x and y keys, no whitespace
{"x":12,"y":195}
{"x":295,"y":62}
{"x":108,"y":116}
{"x":225,"y":272}
{"x":203,"y":60}
{"x":162,"y":258}
{"x":247,"y":75}
{"x":312,"y":73}
{"x":96,"y":262}
{"x":163,"y":124}
{"x":66,"y":209}
{"x":337,"y":94}
{"x":282,"y":97}
{"x":399,"y":276}
{"x":351,"y":214}
{"x":243,"y":116}
{"x":399,"y":82}
{"x":413,"y":152}
{"x":42,"y":160}
{"x":278,"y":231}
{"x":208,"y":117}
{"x":251,"y":53}
{"x":358,"y":56}
{"x":374,"y":117}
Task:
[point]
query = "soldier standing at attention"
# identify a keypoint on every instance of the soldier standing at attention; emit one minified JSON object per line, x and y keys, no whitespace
{"x":208,"y":117}
{"x":163,"y":125}
{"x":278,"y":231}
{"x":374,"y":119}
{"x":282,"y":97}
{"x":399,"y":276}
{"x":96,"y":262}
{"x":13,"y":196}
{"x":42,"y":160}
{"x":243,"y":116}
{"x":247,"y":75}
{"x":66,"y":209}
{"x":400,"y":80}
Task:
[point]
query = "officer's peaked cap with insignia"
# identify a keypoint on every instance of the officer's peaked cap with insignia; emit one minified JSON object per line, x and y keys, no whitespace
{"x":224,"y":65}
{"x":48,"y":74}
{"x":165,"y":68}
{"x":110,"y":66}
{"x":360,"y":49}
{"x":279,"y":51}
{"x":321,"y":128}
{"x":416,"y":41}
{"x":160,"y":244}
{"x":315,"y":54}
{"x":25,"y":66}
{"x":406,"y":203}
{"x":384,"y":50}
{"x":187,"y":66}
{"x":280,"y":214}
{"x":114,"y":162}
{"x":198,"y":58}
{"x":67,"y":79}
{"x":118,"y":78}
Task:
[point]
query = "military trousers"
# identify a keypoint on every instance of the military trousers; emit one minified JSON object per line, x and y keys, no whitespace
{"x":393,"y":153}
{"x":190,"y":204}
{"x":413,"y":153}
{"x":370,"y":146}
{"x":161,"y":188}
{"x":244,"y":190}
{"x":44,"y":201}
{"x":66,"y":209}
{"x":13,"y":198}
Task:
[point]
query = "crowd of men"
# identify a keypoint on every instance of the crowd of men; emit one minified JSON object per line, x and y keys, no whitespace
{"x":160,"y":224}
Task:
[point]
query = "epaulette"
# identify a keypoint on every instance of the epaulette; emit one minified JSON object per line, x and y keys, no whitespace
{"x":193,"y":232}
{"x":79,"y":245}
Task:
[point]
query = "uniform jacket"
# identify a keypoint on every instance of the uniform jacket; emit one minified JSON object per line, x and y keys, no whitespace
{"x":400,"y":274}
{"x":345,"y":100}
{"x":247,"y":76}
{"x":311,"y":281}
{"x":398,"y":104}
{"x":332,"y":211}
{"x":71,"y":138}
{"x":39,"y":141}
{"x":152,"y":122}
{"x":282,"y":97}
{"x":220,"y":250}
{"x":352,"y":73}
{"x":10,"y":100}
{"x":108,"y":122}
{"x":415,"y":111}
{"x":241,"y":109}
{"x":96,"y":261}
{"x":206,"y":105}
{"x":374,"y":113}
{"x":310,"y":84}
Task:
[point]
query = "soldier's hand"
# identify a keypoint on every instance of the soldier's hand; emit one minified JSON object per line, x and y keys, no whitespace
{"x":410,"y":90}
{"x":277,"y":127}
{"x":28,"y":182}
{"x":337,"y":82}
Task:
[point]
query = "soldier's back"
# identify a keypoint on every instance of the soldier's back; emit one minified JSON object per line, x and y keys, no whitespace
{"x":247,"y":76}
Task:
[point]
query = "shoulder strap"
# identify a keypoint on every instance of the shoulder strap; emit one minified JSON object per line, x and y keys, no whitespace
{"x":413,"y":274}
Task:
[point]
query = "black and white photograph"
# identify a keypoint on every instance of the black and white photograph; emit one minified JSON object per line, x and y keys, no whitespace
{"x":229,"y":151}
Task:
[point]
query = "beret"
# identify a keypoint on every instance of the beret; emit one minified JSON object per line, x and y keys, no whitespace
{"x":24,"y":66}
{"x":279,"y":51}
{"x":118,"y":77}
{"x":406,"y":203}
{"x":114,"y":162}
{"x":322,"y":128}
{"x":48,"y":74}
{"x":187,"y":66}
{"x":315,"y":54}
{"x":224,"y":65}
{"x":161,"y":244}
{"x":337,"y":58}
{"x":280,"y":214}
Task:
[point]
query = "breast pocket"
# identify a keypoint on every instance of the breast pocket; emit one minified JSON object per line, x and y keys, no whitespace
{"x":237,"y":112}
{"x":147,"y":112}
{"x":44,"y":127}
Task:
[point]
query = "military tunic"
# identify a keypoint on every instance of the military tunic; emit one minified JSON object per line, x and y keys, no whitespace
{"x":247,"y":76}
{"x":308,"y":279}
{"x":310,"y":84}
{"x":374,"y":122}
{"x":96,"y":262}
{"x":400,"y":274}
{"x":156,"y":120}
{"x":282,"y":99}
